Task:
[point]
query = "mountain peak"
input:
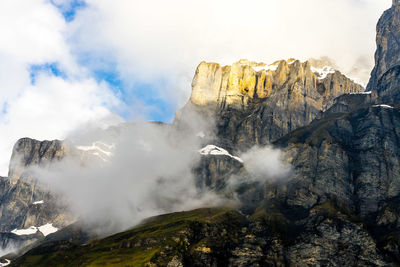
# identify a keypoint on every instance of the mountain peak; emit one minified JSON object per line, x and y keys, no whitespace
{"x":387,"y":59}
{"x":242,"y":82}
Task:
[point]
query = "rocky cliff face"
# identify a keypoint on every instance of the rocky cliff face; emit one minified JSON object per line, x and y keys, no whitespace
{"x":254,"y":103}
{"x":25,"y":202}
{"x":239,"y":85}
{"x":387,"y":56}
{"x":344,"y":188}
{"x":29,"y":152}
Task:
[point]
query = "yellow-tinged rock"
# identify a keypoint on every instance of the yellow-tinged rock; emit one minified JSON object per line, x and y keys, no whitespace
{"x":206,"y":83}
{"x":235,"y":86}
{"x":203,"y":249}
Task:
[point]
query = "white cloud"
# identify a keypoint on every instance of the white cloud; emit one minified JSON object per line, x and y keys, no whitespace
{"x":266,"y":163}
{"x":153,"y":39}
{"x":51,"y":109}
{"x":30,"y":34}
{"x":33,"y":33}
{"x":147,"y":172}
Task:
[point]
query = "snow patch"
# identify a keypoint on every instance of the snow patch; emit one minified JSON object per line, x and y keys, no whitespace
{"x":382,"y":106}
{"x":29,"y":231}
{"x":266,"y":67}
{"x":362,"y":93}
{"x":99,"y":149}
{"x":2,"y":264}
{"x":217,"y":151}
{"x":47,"y":229}
{"x":322,"y":72}
{"x":44,"y":229}
{"x":38,"y":202}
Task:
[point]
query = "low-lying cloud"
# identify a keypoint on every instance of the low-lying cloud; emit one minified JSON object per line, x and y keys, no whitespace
{"x":266,"y":163}
{"x":133,"y":172}
{"x":117,"y":177}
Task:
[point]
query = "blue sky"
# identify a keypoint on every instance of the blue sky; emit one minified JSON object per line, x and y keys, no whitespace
{"x":158,"y":109}
{"x":69,"y":9}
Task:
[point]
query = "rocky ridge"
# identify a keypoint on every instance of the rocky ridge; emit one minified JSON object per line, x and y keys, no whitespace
{"x":237,"y":85}
{"x":255,"y":104}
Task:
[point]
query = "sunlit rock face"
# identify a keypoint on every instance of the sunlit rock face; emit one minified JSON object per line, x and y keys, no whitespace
{"x":236,"y":85}
{"x":256,"y":103}
{"x":231,"y":85}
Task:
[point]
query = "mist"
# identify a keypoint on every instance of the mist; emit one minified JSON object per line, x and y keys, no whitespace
{"x":137,"y":170}
{"x":10,"y":249}
{"x":112,"y":179}
{"x":266,"y":164}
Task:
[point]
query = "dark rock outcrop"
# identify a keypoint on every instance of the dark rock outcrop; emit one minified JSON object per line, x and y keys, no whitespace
{"x":350,"y":102}
{"x":387,"y":57}
{"x":387,"y":54}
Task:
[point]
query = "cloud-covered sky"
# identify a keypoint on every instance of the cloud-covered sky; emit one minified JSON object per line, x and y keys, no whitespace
{"x":64,"y":63}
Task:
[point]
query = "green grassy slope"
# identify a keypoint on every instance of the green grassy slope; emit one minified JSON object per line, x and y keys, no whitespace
{"x":156,"y":241}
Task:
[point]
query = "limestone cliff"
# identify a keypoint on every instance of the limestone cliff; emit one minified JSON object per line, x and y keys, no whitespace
{"x":387,"y":55}
{"x":237,"y":85}
{"x":24,"y":201}
{"x":254,"y":103}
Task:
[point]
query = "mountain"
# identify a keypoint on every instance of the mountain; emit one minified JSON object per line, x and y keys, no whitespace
{"x":254,"y":103}
{"x":284,"y":96}
{"x":336,"y":205}
{"x":271,"y":218}
{"x":25,"y":202}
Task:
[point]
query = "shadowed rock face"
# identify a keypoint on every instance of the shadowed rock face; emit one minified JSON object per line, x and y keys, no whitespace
{"x":29,"y":152}
{"x":25,"y":202}
{"x":388,"y":87}
{"x":340,"y":206}
{"x":387,"y":55}
{"x":352,"y":156}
